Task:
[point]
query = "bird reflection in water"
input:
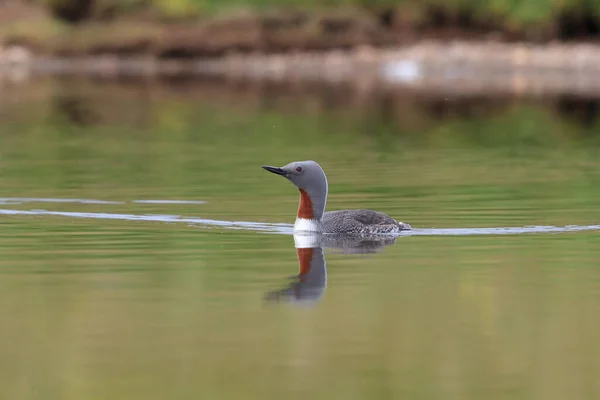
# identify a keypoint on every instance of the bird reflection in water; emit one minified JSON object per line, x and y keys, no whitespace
{"x":309,"y":285}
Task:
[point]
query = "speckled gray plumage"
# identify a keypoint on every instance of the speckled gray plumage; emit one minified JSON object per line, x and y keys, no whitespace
{"x":360,"y":222}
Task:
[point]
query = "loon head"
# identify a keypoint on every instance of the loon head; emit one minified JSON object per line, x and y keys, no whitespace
{"x":309,"y":178}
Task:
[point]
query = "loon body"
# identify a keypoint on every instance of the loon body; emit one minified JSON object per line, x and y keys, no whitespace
{"x":309,"y":178}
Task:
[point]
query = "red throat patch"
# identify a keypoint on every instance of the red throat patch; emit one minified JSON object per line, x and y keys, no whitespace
{"x":304,"y":257}
{"x":305,"y":209}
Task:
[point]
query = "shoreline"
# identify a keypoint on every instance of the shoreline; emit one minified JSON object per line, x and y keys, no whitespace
{"x":454,"y":68}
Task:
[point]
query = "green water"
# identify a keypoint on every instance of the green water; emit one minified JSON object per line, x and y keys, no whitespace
{"x":119,"y":309}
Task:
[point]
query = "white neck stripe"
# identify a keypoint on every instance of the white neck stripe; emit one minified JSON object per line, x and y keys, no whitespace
{"x":307,"y":225}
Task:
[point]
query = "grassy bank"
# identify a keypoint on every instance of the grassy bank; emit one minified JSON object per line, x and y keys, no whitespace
{"x":509,"y":13}
{"x":182,"y":28}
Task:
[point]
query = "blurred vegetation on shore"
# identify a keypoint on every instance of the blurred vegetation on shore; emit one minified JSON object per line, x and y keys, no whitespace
{"x":211,"y":27}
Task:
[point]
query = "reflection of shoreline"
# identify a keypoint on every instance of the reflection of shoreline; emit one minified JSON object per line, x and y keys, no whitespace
{"x":86,"y":101}
{"x":309,"y":285}
{"x":459,"y":68}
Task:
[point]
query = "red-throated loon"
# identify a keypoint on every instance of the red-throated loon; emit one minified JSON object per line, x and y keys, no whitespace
{"x":309,"y":178}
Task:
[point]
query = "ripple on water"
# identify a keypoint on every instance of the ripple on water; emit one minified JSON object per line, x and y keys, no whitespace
{"x":21,"y":200}
{"x":282,"y":228}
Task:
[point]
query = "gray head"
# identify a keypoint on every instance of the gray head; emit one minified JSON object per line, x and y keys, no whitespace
{"x":308,"y":176}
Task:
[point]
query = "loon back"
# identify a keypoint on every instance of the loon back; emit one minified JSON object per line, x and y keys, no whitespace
{"x":361,"y":221}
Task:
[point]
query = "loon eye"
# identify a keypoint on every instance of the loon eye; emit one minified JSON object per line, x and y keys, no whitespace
{"x":298,"y":169}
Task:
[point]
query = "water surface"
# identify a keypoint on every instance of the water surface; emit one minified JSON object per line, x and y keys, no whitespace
{"x":121,"y":276}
